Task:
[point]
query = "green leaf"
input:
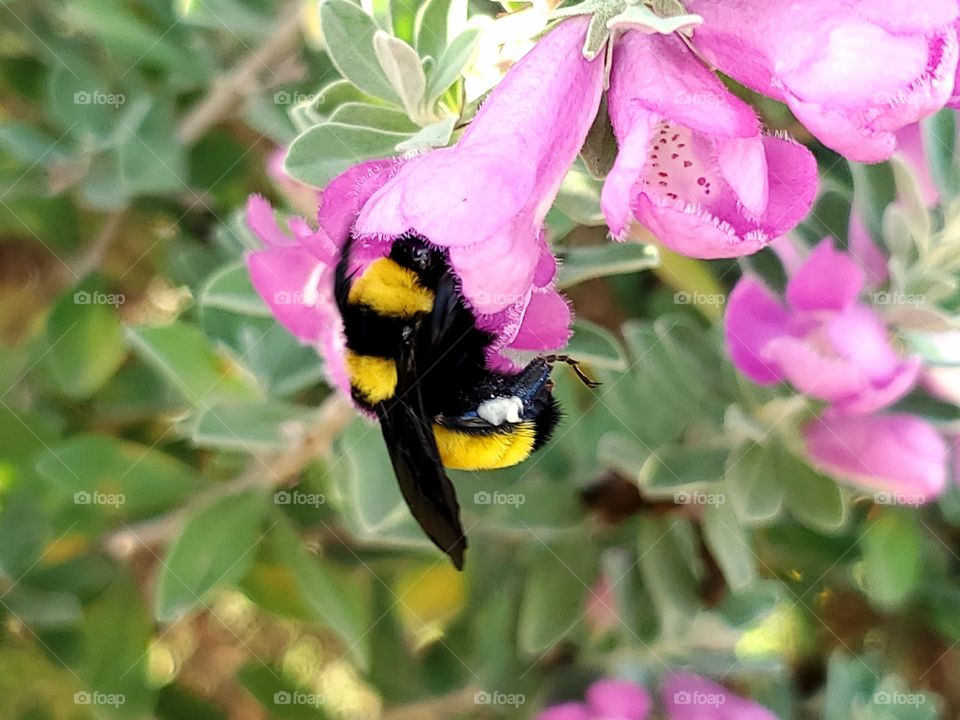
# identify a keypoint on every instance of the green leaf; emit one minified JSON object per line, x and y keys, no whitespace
{"x":433,"y":24}
{"x":401,"y":65}
{"x":202,"y":373}
{"x":875,"y":190}
{"x":230,"y":289}
{"x":667,"y":563}
{"x":217,"y":546}
{"x":451,"y":63}
{"x":552,"y":606}
{"x":89,"y":469}
{"x":251,"y":426}
{"x":892,"y":562}
{"x":324,"y":151}
{"x":368,"y":496}
{"x":348,"y":32}
{"x":318,"y":591}
{"x":813,"y":498}
{"x":596,"y":261}
{"x":432,"y":136}
{"x":753,"y":484}
{"x":579,"y":197}
{"x":379,"y":117}
{"x":596,"y":346}
{"x":672,"y":468}
{"x":599,"y":150}
{"x":281,"y":696}
{"x":114,"y":643}
{"x":729,"y":544}
{"x":84,"y":339}
{"x":940,"y":149}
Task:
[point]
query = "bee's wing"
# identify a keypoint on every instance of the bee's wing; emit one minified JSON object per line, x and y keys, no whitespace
{"x":425,"y":486}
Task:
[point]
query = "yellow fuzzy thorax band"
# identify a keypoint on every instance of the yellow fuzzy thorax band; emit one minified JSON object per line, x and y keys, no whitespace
{"x":373,"y":378}
{"x":392,"y":290}
{"x":460,"y":451}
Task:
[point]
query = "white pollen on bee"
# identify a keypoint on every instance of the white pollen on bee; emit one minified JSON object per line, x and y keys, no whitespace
{"x":499,"y":410}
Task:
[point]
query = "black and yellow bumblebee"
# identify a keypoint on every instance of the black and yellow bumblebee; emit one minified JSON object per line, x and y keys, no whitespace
{"x":416,"y":359}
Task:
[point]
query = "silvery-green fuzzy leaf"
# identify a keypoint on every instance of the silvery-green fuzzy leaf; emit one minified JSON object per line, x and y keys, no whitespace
{"x":401,"y":65}
{"x":349,"y":32}
{"x":323,"y":152}
{"x":451,"y":62}
{"x":432,"y":136}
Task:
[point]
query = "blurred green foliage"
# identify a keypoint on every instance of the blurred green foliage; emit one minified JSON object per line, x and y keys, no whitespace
{"x":184,"y":535}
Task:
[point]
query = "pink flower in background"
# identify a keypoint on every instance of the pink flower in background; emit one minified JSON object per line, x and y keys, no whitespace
{"x":298,"y":196}
{"x":911,"y":153}
{"x":694,"y":166}
{"x":685,"y":697}
{"x":823,"y":341}
{"x":854,"y":72}
{"x":691,"y":697}
{"x":484,"y":200}
{"x":902,"y":455}
{"x":606,"y":700}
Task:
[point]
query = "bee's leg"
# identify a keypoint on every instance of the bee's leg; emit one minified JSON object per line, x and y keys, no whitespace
{"x":584,"y":378}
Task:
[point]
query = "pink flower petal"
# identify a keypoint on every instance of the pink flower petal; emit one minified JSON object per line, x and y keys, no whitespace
{"x":822,"y":58}
{"x":754,"y":318}
{"x":743,"y":164}
{"x":618,"y":700}
{"x":793,"y":181}
{"x":289,"y":281}
{"x":865,"y":251}
{"x":691,"y":697}
{"x":910,"y":151}
{"x":828,"y":280}
{"x":546,"y":322}
{"x":902,"y":454}
{"x":261,"y":220}
{"x":821,"y":376}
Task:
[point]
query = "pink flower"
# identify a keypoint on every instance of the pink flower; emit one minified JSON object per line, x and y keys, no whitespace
{"x":911,"y":152}
{"x":606,"y":700}
{"x":694,"y":166}
{"x":690,"y":697}
{"x":899,"y":454}
{"x":484,"y":200}
{"x":852,"y":71}
{"x":823,"y":341}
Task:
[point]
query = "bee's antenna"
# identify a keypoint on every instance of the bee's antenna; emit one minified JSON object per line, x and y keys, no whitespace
{"x":584,"y":378}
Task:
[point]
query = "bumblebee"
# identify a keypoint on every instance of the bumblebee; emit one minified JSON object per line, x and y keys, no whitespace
{"x":416,"y":360}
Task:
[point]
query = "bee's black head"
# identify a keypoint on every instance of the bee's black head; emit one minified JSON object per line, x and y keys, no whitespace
{"x":415,"y":253}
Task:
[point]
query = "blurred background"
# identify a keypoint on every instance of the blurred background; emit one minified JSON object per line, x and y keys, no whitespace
{"x":193,"y":528}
